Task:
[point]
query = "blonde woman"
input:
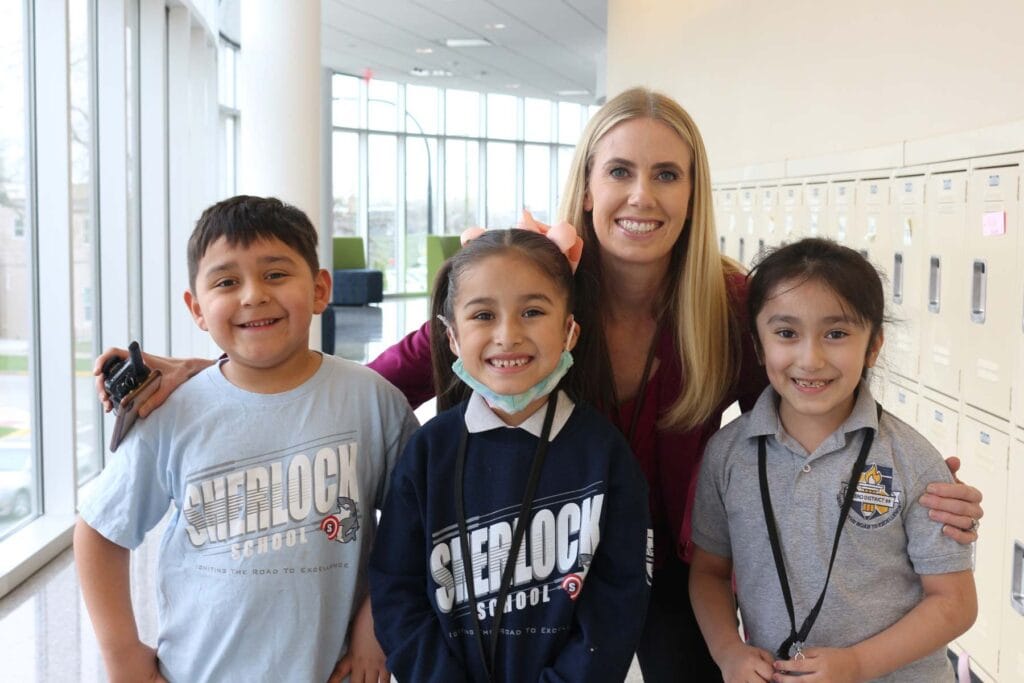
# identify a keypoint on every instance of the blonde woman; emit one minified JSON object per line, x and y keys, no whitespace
{"x":665,"y":346}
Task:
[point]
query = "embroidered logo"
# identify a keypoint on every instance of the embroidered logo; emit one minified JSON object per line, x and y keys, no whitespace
{"x":343,"y":525}
{"x":875,"y":502}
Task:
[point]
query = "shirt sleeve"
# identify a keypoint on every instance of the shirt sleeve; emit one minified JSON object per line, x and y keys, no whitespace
{"x":710,"y":521}
{"x":131,"y":495}
{"x":407,"y":366}
{"x":929,"y":550}
{"x":610,"y":614}
{"x":404,"y":620}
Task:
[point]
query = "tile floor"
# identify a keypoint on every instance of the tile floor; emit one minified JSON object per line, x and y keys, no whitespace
{"x":45,"y":633}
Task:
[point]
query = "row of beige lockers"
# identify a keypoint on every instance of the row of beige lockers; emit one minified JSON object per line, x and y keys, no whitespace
{"x":946,"y":239}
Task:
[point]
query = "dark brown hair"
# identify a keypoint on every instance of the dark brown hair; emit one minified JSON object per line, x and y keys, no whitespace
{"x":244,"y":219}
{"x":537,"y":248}
{"x":843,"y":270}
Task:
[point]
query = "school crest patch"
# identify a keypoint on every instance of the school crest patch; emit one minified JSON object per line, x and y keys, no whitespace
{"x":875,"y":502}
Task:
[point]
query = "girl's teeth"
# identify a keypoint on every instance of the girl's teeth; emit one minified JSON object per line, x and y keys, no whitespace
{"x":259,"y":323}
{"x":637,"y":226}
{"x":810,"y":385}
{"x":518,"y":362}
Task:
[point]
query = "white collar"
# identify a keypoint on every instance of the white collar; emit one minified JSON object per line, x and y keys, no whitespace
{"x":480,"y":417}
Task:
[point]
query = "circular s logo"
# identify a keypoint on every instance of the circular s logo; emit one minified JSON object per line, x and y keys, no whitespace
{"x":572,"y":584}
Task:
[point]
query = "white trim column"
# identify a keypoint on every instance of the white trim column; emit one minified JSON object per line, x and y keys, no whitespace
{"x":281,"y":135}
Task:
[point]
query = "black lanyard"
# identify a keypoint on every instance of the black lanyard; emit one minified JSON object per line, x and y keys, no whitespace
{"x":488,"y":655}
{"x":798,"y":638}
{"x":641,"y":396}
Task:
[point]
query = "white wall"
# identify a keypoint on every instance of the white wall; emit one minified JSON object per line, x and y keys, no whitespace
{"x":769,"y":80}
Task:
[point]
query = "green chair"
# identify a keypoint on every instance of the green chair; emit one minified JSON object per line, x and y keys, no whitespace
{"x":349,"y":253}
{"x":354,"y":283}
{"x":439,"y":248}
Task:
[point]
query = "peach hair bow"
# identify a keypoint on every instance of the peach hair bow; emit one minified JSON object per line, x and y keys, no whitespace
{"x":561,"y":233}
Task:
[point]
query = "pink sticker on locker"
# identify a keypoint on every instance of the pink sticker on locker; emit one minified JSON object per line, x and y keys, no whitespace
{"x":993,"y":223}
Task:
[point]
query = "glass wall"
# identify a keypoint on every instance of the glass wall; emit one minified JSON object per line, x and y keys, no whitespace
{"x":411,"y":161}
{"x":81,"y":73}
{"x":227,"y":96}
{"x":19,"y":463}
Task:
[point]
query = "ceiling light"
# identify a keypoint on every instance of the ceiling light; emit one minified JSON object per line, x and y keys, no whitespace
{"x":467,"y":42}
{"x":512,"y":86}
{"x":573,"y":93}
{"x":424,"y":50}
{"x":494,"y":27}
{"x":421,"y":72}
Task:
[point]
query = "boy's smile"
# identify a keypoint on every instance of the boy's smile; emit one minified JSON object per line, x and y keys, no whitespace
{"x":257,"y":302}
{"x":814,"y":352}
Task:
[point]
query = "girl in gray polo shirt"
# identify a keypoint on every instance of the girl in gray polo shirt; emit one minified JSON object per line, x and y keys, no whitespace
{"x":811,"y":499}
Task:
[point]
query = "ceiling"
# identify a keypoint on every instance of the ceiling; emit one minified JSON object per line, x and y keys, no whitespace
{"x":539,"y":48}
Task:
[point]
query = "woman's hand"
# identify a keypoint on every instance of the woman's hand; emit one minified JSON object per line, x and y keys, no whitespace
{"x":956,"y":506}
{"x":174,"y":372}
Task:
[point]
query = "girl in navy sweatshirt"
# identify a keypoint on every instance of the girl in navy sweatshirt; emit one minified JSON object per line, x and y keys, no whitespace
{"x":540,"y":492}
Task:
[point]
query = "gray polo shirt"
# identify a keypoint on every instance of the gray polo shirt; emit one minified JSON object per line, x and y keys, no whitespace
{"x":887,"y":541}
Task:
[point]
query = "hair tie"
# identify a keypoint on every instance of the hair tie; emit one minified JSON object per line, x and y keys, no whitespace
{"x":561,"y":233}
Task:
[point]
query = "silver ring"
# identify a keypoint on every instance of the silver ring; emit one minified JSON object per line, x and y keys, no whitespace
{"x":974,"y":526}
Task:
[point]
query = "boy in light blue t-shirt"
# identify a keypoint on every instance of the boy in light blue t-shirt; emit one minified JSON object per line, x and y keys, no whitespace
{"x":274,"y":461}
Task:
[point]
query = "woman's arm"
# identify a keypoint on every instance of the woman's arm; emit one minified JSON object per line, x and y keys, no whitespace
{"x":948,"y":609}
{"x":407,"y":366}
{"x":174,"y":371}
{"x":956,"y":506}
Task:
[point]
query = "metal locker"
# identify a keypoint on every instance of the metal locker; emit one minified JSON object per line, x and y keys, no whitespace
{"x":767,"y":227}
{"x":725,"y":220}
{"x":816,"y":199}
{"x":745,"y":244}
{"x":1011,"y":648}
{"x":791,"y":198}
{"x":869,"y":230}
{"x":1015,"y":303}
{"x":839,"y":211}
{"x":984,"y":452}
{"x":991,"y":256}
{"x":906,"y":235}
{"x":946,"y":283}
{"x":938,"y":423}
{"x":901,"y":402}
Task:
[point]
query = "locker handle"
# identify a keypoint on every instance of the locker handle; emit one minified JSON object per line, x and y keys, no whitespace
{"x":1017,"y":579}
{"x":897,"y":279}
{"x":743,"y":246}
{"x":934,"y":284}
{"x":979,"y":291}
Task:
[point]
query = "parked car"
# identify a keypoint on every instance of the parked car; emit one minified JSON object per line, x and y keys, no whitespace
{"x":16,"y":480}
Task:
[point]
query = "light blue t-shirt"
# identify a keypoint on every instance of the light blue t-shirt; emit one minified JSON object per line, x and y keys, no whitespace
{"x":274,"y":499}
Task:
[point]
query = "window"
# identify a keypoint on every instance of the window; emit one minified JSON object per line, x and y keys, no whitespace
{"x":462,"y":113}
{"x":501,"y":185}
{"x":502,"y":117}
{"x":19,"y":464}
{"x":227,"y":86}
{"x":81,"y":69}
{"x":382,"y":193}
{"x":411,"y":160}
{"x":462,"y":188}
{"x":345,"y":174}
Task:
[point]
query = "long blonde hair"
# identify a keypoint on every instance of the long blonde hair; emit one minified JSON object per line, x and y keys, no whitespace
{"x":696,"y":299}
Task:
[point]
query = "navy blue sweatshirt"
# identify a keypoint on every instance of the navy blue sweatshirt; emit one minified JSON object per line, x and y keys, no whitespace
{"x":580,"y":590}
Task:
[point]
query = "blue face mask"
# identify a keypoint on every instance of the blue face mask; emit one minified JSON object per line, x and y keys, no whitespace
{"x":514,"y":403}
